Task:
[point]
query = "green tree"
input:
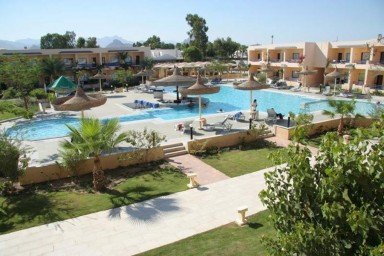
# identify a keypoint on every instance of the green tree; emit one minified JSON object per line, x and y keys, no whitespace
{"x":52,"y":67}
{"x":91,"y":42}
{"x":147,"y":63}
{"x":210,"y":51}
{"x":80,"y":42}
{"x":22,"y":73}
{"x":243,"y":50}
{"x":153,"y":41}
{"x":333,"y":207}
{"x":123,"y":60}
{"x":343,"y":108}
{"x":91,"y":139}
{"x":137,"y":44}
{"x":192,"y":53}
{"x":198,"y":33}
{"x":123,"y":77}
{"x":225,"y":48}
{"x":218,"y":67}
{"x":57,"y":41}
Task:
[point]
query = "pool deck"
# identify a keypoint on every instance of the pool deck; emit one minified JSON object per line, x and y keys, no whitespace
{"x":43,"y":152}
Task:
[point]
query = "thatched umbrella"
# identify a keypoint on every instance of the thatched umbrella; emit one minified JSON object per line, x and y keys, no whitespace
{"x":305,"y":72}
{"x":334,"y":74}
{"x":176,"y":79}
{"x":145,"y":73}
{"x":199,"y":88}
{"x":251,"y":85}
{"x":100,"y":76}
{"x":79,"y":102}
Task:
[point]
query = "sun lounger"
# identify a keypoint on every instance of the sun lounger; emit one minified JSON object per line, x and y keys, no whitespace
{"x":327,"y":91}
{"x":280,"y":85}
{"x":237,"y":116}
{"x":224,"y":125}
{"x":183,"y":126}
{"x":346,"y":94}
{"x":296,"y":88}
{"x":272,"y":115}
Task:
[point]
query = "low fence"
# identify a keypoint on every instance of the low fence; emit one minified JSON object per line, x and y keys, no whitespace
{"x":322,"y":126}
{"x":108,"y":162}
{"x":222,"y":141}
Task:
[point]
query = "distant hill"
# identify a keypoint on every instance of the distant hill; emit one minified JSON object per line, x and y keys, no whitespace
{"x":107,"y":40}
{"x":117,"y":44}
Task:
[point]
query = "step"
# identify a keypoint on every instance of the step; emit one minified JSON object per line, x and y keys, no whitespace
{"x":173,"y":145}
{"x":177,"y":153}
{"x":173,"y":149}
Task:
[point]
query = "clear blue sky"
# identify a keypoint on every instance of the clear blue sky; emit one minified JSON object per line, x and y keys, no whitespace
{"x":245,"y":21}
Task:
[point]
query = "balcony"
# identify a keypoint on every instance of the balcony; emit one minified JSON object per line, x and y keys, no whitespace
{"x":254,"y":60}
{"x":86,"y":65}
{"x":362,"y":62}
{"x":293,"y":61}
{"x":340,"y":61}
{"x":275,"y":60}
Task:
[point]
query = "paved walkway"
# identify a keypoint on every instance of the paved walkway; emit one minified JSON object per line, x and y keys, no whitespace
{"x":206,"y":174}
{"x":143,"y":226}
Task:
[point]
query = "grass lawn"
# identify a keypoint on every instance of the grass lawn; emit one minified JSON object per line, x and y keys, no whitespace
{"x":226,"y":240}
{"x":7,"y":115}
{"x":44,"y":204}
{"x":239,"y":162}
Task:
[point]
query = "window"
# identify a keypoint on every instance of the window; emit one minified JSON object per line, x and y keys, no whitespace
{"x":365,"y":56}
{"x":278,"y":56}
{"x":295,"y":56}
{"x":348,"y":57}
{"x":295,"y":74}
{"x":137,"y":60}
{"x":82,"y":61}
{"x":68,"y":61}
{"x":128,"y":59}
{"x":259,"y":56}
{"x":103,"y":59}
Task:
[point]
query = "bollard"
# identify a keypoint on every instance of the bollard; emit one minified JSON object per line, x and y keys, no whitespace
{"x":289,"y":121}
{"x":192,"y":182}
{"x":191,"y":128}
{"x":242,"y":220}
{"x":250,"y":123}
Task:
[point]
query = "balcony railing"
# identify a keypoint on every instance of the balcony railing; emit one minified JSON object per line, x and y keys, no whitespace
{"x":255,"y":59}
{"x":340,"y":61}
{"x":293,"y":61}
{"x":86,"y":65}
{"x":275,"y":60}
{"x":361,"y":62}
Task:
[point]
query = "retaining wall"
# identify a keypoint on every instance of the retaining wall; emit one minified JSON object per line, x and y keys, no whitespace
{"x":108,"y":162}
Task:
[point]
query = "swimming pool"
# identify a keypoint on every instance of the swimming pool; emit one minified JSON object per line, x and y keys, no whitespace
{"x":228,"y":99}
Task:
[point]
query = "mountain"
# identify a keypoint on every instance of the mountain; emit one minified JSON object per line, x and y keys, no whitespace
{"x":117,"y":44}
{"x":20,"y":44}
{"x":105,"y":41}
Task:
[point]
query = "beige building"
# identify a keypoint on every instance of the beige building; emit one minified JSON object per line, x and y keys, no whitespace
{"x":88,"y":59}
{"x":359,"y":62}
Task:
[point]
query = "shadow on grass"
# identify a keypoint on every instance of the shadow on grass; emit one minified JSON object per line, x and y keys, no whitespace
{"x":255,"y":225}
{"x":27,"y":208}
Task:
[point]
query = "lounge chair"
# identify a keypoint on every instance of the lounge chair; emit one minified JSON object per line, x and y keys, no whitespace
{"x":272,"y":115}
{"x":237,"y":116}
{"x":327,"y":91}
{"x":224,"y":125}
{"x":296,"y":88}
{"x":280,"y":85}
{"x":346,"y":94}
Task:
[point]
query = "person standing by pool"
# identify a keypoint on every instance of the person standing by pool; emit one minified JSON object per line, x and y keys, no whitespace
{"x":253,"y":109}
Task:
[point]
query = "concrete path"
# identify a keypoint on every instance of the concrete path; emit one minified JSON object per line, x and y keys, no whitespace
{"x":143,"y":226}
{"x":206,"y":174}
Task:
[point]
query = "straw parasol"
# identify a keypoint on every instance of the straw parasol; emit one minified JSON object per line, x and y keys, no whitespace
{"x":144,"y":73}
{"x":100,"y":76}
{"x":199,"y":88}
{"x":334,"y":74}
{"x":305,"y":72}
{"x":251,"y":85}
{"x":176,"y":79}
{"x":79,"y":102}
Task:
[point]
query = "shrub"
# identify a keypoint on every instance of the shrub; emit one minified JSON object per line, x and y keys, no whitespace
{"x":10,"y":93}
{"x":39,"y":94}
{"x":145,"y":139}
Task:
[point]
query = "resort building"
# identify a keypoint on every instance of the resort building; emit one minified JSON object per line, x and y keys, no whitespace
{"x":89,"y":59}
{"x":361,"y":63}
{"x":165,"y":55}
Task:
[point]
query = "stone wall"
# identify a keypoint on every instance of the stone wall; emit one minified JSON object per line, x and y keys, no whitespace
{"x":108,"y":162}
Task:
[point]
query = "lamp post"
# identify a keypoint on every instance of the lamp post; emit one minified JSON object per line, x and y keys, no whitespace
{"x":191,"y":130}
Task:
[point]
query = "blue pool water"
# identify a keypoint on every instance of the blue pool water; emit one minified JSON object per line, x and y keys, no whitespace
{"x":228,"y":99}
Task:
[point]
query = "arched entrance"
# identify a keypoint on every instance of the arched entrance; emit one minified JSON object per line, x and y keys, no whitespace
{"x":379,"y":80}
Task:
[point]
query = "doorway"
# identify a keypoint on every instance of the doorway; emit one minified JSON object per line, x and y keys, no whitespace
{"x":382,"y":57}
{"x":339,"y":56}
{"x":137,"y":60}
{"x":379,"y":80}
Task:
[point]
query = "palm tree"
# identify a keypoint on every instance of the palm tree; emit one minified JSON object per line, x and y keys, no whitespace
{"x":52,"y":67}
{"x":343,"y":108}
{"x":91,"y":139}
{"x":122,"y":57}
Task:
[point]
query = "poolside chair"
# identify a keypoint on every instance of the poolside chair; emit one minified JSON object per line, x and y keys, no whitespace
{"x":224,"y":125}
{"x":327,"y":91}
{"x":296,"y":88}
{"x":272,"y":115}
{"x":237,"y":116}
